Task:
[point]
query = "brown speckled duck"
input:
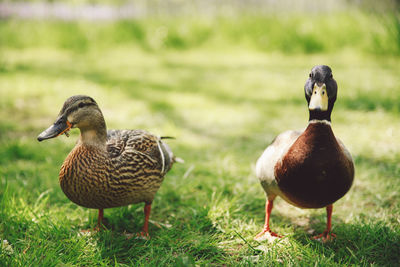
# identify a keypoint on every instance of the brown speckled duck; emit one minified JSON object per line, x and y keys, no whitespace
{"x":111,"y":168}
{"x":309,"y":169}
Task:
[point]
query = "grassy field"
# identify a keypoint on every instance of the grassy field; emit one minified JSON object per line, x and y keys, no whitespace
{"x":224,"y":88}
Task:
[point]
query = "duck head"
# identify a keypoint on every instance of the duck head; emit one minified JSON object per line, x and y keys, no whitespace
{"x":77,"y":112}
{"x":320,"y":91}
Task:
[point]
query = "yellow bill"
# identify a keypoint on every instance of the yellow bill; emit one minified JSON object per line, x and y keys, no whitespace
{"x":319,"y":98}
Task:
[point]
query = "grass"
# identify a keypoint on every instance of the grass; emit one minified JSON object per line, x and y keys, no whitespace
{"x":225,"y":94}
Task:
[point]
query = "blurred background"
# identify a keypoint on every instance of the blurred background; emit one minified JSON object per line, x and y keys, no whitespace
{"x":288,"y":26}
{"x":224,"y":78}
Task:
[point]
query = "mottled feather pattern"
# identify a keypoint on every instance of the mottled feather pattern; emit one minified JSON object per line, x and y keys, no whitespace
{"x":129,"y":171}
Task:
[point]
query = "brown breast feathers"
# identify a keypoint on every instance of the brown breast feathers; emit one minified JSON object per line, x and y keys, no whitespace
{"x":315,"y":172}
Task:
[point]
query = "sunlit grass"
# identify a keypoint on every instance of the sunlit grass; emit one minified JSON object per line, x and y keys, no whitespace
{"x":225,"y":104}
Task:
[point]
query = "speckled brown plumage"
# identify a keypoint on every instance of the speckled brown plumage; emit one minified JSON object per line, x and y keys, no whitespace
{"x":128,"y":171}
{"x":112,"y":168}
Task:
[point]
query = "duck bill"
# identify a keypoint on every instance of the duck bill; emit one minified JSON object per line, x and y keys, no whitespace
{"x":319,"y":98}
{"x":60,"y":127}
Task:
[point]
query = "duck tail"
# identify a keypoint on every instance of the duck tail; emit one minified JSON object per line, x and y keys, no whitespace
{"x":178,"y":160}
{"x":169,"y":151}
{"x":167,"y":137}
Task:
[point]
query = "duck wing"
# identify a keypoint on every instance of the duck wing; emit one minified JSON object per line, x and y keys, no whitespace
{"x":139,"y":149}
{"x":265,"y":167}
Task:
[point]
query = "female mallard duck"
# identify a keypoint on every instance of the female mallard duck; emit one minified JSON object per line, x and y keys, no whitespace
{"x":111,"y":168}
{"x":309,"y":169}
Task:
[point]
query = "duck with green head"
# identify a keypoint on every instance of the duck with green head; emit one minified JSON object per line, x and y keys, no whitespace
{"x":111,"y":168}
{"x":309,"y":169}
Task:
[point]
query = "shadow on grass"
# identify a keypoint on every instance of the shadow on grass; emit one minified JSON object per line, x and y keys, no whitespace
{"x":189,"y":237}
{"x":364,"y":241}
{"x":359,"y":243}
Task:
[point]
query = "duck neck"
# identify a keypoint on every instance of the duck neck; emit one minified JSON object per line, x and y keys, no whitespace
{"x":94,"y":135}
{"x":317,"y":115}
{"x":319,"y":133}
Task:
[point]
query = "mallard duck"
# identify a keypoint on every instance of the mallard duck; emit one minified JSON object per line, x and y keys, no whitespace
{"x":309,"y":169}
{"x":111,"y":168}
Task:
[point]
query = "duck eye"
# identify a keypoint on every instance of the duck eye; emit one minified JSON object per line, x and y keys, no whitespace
{"x":323,"y":92}
{"x":80,"y":105}
{"x":310,"y":75}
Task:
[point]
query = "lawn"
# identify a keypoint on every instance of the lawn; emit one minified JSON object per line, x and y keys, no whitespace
{"x":224,"y":88}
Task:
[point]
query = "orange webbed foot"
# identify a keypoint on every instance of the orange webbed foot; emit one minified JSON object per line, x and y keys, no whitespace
{"x":99,"y":228}
{"x":325,"y":236}
{"x":140,"y":235}
{"x":143,"y":235}
{"x":263,"y":233}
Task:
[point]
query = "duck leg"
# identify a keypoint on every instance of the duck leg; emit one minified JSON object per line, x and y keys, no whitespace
{"x":268,"y":208}
{"x":327,"y":235}
{"x":145,"y":231}
{"x":100,"y":220}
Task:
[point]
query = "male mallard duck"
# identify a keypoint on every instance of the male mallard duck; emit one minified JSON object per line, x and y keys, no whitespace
{"x":309,"y":169}
{"x":111,"y":168}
